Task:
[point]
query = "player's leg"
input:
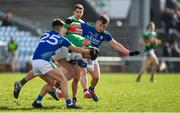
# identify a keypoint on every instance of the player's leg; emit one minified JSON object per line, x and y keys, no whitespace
{"x":146,"y":63}
{"x":19,"y":84}
{"x":68,"y":69}
{"x":155,"y":64}
{"x":95,"y":78}
{"x":84,"y":83}
{"x":44,"y":90}
{"x":45,"y":68}
{"x":75,"y":83}
{"x":69,"y":72}
{"x":56,"y":75}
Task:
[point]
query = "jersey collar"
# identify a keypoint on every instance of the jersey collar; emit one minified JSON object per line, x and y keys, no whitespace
{"x":54,"y":32}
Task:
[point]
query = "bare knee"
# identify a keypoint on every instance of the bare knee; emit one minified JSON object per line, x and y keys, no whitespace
{"x":64,"y":80}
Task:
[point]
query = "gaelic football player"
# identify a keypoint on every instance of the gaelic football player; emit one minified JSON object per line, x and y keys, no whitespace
{"x":150,"y":41}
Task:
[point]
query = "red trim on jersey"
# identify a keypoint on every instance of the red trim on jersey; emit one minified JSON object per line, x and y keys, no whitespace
{"x":86,"y":43}
{"x":74,"y":30}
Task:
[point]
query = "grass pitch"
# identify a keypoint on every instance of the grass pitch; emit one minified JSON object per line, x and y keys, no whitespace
{"x":117,"y":92}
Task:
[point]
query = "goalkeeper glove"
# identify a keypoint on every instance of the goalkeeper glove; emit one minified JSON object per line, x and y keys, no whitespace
{"x":133,"y":53}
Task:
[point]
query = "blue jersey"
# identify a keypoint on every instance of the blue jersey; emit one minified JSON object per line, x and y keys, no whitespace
{"x":95,"y":37}
{"x":48,"y":44}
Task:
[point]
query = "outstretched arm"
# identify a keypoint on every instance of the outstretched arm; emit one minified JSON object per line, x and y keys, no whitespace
{"x":117,"y":46}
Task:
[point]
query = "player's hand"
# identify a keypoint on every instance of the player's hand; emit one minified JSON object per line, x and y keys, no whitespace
{"x":133,"y":53}
{"x":94,"y":53}
{"x":158,"y":42}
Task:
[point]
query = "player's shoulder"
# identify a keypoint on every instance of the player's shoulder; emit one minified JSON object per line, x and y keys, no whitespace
{"x":154,"y":33}
{"x":45,"y":33}
{"x":146,"y":33}
{"x":69,"y":20}
{"x":107,"y":33}
{"x":73,"y":19}
{"x":90,"y":24}
{"x":81,"y":21}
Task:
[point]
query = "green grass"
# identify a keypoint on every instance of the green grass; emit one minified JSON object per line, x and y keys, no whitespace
{"x":117,"y":92}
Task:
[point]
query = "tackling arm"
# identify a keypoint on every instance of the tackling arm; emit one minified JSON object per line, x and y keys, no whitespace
{"x":75,"y":24}
{"x":79,"y":50}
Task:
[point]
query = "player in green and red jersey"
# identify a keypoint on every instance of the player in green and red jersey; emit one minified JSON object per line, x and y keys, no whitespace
{"x":75,"y":36}
{"x":150,"y":41}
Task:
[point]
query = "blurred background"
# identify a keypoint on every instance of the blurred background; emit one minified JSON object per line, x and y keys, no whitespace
{"x":23,"y":21}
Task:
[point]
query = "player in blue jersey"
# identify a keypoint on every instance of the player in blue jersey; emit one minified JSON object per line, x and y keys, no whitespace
{"x":49,"y":43}
{"x":97,"y":34}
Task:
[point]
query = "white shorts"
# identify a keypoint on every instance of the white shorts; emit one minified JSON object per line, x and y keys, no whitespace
{"x":41,"y":67}
{"x":62,"y":53}
{"x":152,"y":54}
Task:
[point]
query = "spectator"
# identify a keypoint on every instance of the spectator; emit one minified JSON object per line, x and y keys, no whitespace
{"x":173,"y":4}
{"x":174,"y":48}
{"x":12,"y":51}
{"x":171,"y":20}
{"x":7,"y":21}
{"x":166,"y":50}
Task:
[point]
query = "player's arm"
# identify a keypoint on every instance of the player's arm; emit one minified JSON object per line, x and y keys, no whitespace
{"x":90,"y":53}
{"x":119,"y":47}
{"x":141,"y":41}
{"x":75,"y":24}
{"x":79,"y":50}
{"x":66,"y":26}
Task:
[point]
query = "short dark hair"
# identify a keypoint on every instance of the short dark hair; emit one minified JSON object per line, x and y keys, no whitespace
{"x":104,"y":19}
{"x":78,"y":6}
{"x":57,"y":22}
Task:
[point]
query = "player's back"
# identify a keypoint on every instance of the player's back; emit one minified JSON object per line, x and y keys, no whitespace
{"x":48,"y":44}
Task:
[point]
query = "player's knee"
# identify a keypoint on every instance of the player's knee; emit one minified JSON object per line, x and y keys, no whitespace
{"x":64,"y":80}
